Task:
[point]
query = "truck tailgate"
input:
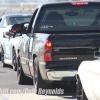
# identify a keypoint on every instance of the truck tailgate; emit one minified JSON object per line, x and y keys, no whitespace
{"x":68,"y":47}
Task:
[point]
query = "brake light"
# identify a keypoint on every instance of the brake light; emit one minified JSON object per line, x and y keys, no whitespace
{"x":79,"y":3}
{"x":7,"y":33}
{"x":48,"y":51}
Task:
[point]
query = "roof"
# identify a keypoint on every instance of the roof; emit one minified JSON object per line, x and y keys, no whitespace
{"x":14,"y":15}
{"x":67,"y":1}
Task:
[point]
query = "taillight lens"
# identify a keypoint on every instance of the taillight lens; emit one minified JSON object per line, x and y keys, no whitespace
{"x":79,"y":3}
{"x":48,"y":51}
{"x":7,"y":33}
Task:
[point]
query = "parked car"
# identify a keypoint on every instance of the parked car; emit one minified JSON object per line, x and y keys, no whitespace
{"x":88,"y":79}
{"x":58,"y":39}
{"x":9,"y":45}
{"x":5,"y":34}
{"x":11,"y":19}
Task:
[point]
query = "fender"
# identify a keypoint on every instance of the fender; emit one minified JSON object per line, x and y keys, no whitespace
{"x":84,"y":73}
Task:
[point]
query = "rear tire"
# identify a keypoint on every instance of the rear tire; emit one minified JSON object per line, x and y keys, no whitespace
{"x":22,"y":78}
{"x":80,"y":91}
{"x":14,"y":61}
{"x":38,"y":82}
{"x":2,"y":58}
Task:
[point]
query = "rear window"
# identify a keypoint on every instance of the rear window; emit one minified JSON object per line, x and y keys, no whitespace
{"x":64,"y":17}
{"x":18,"y":20}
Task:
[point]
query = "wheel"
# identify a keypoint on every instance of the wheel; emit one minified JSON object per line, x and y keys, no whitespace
{"x":80,"y":91}
{"x":38,"y":81}
{"x":2,"y":58}
{"x":21,"y":77}
{"x":14,"y":61}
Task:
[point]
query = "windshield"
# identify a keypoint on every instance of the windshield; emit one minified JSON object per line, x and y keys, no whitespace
{"x":18,"y":20}
{"x":65,"y":17}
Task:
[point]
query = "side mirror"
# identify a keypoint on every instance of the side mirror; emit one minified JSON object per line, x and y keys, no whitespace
{"x":96,"y":54}
{"x":26,"y":26}
{"x":11,"y":34}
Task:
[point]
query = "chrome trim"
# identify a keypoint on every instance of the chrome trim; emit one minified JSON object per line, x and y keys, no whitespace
{"x":59,"y":75}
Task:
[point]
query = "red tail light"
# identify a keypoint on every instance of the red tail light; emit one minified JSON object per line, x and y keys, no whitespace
{"x":79,"y":3}
{"x":48,"y":51}
{"x":7,"y":33}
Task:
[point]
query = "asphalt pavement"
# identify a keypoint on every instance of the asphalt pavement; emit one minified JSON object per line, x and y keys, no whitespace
{"x":11,"y":90}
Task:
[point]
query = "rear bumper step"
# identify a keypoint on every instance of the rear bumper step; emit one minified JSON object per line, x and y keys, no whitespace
{"x":61,"y":75}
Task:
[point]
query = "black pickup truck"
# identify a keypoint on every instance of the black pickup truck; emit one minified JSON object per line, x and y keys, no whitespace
{"x":59,"y":37}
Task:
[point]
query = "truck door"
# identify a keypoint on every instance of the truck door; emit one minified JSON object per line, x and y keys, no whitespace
{"x":30,"y":55}
{"x":24,"y":57}
{"x":27,"y":47}
{"x":31,"y":40}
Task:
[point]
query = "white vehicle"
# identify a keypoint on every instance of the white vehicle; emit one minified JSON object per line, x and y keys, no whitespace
{"x":88,"y":80}
{"x":11,"y":19}
{"x":5,"y":34}
{"x":10,"y":46}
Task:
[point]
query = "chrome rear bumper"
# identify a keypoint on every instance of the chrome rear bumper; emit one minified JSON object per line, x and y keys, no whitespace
{"x":61,"y":75}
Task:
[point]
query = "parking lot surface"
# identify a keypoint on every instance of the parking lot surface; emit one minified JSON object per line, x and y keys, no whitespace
{"x":9,"y":86}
